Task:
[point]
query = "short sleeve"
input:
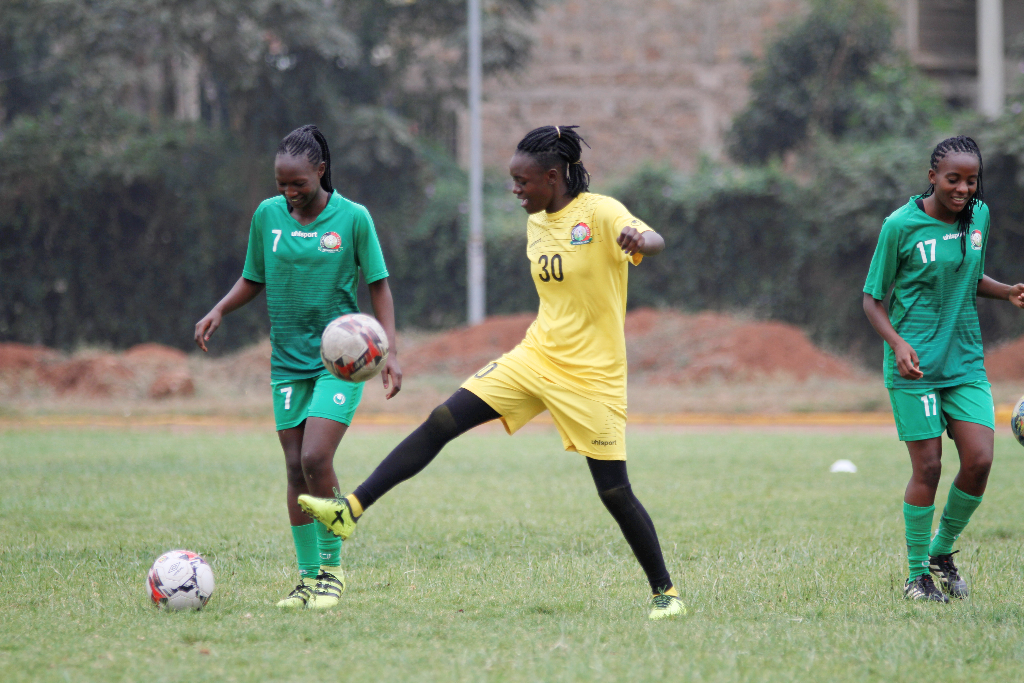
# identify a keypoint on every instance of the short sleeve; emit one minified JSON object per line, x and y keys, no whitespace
{"x":254,"y":267}
{"x":611,"y":217}
{"x":369,"y":256}
{"x":885,"y":261}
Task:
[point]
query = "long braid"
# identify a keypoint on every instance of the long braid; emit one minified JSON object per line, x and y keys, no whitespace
{"x":308,"y":140}
{"x":553,"y":146}
{"x":963,"y":145}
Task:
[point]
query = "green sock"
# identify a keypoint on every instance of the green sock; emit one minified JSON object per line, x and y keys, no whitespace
{"x":305,"y":550}
{"x":919,"y":528}
{"x":330,"y":546}
{"x":955,"y":516}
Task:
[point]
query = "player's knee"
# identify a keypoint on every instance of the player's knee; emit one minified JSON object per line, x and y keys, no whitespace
{"x":441,"y":426}
{"x":314,"y":462}
{"x":979,"y":466}
{"x":928,"y":472}
{"x":616,"y":499}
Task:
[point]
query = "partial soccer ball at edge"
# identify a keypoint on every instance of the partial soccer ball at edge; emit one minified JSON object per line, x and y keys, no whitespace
{"x":354,"y":347}
{"x":180,"y":580}
{"x":1017,"y":421}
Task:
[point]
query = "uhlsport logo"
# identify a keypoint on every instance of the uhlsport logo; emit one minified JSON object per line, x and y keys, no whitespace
{"x":976,"y":239}
{"x":330,"y":242}
{"x":339,"y":399}
{"x":580,"y":234}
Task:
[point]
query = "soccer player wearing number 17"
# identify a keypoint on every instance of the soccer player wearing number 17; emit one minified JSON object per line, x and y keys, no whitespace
{"x":572,"y":362}
{"x":931,"y":251}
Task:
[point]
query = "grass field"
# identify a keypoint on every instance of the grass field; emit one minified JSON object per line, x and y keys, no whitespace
{"x":498,"y":563}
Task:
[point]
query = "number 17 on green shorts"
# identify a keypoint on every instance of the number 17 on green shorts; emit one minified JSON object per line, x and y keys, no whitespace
{"x":921,"y":413}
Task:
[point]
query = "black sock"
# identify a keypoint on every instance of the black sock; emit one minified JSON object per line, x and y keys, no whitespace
{"x":461,"y":412}
{"x":617,"y":495}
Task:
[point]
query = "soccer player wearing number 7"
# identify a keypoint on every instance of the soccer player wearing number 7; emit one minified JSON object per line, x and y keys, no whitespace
{"x":306,"y":248}
{"x":931,"y":252}
{"x":572,"y":362}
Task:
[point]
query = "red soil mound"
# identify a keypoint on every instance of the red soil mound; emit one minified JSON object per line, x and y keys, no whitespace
{"x":146,"y":370}
{"x":1005,"y":363}
{"x":157,"y":354}
{"x":664,"y":345}
{"x":465,"y":350}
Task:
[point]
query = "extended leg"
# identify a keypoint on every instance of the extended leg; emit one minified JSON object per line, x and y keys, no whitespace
{"x":460,"y":413}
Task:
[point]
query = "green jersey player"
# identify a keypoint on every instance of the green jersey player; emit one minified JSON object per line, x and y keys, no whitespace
{"x":306,"y":248}
{"x":931,"y":252}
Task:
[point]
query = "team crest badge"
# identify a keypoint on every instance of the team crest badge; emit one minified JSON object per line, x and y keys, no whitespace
{"x":580,"y":234}
{"x":976,"y":239}
{"x":330,"y":242}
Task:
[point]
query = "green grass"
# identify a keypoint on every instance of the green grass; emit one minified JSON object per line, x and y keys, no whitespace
{"x":498,"y":562}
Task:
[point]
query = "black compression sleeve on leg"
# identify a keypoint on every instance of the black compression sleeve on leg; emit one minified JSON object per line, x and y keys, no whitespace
{"x":617,"y":495}
{"x":461,"y":412}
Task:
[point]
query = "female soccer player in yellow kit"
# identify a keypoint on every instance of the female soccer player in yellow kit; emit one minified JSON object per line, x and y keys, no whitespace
{"x":572,"y":362}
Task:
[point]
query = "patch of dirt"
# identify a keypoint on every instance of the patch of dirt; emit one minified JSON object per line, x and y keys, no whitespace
{"x":665,"y":346}
{"x":1005,"y":363}
{"x":689,"y":361}
{"x":465,"y":350}
{"x":144,"y":371}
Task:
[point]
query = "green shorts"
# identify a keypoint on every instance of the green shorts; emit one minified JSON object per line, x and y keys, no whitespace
{"x":323,"y":396}
{"x":922,"y":413}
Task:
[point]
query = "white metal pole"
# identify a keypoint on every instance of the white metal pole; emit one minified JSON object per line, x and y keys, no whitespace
{"x":476,"y":282}
{"x":991,"y":69}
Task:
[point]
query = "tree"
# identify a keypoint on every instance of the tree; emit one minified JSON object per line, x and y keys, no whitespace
{"x":836,"y":72}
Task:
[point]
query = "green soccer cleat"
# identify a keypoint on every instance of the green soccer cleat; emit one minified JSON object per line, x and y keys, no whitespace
{"x":298,"y":598}
{"x":666,"y":606}
{"x":334,"y":513}
{"x":330,"y":584}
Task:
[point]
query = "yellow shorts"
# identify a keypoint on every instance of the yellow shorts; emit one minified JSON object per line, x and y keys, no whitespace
{"x":518,"y":394}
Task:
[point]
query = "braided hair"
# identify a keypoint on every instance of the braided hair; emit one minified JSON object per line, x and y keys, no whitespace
{"x":555,"y":146}
{"x":961,"y":144}
{"x":309,"y":141}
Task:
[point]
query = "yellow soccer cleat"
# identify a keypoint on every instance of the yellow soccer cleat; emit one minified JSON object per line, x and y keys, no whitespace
{"x":298,"y":598}
{"x":330,"y":584}
{"x":666,"y":606}
{"x":335,"y":513}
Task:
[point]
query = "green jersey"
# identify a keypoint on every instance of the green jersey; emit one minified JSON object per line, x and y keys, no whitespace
{"x":934,"y":306}
{"x":311,"y":273}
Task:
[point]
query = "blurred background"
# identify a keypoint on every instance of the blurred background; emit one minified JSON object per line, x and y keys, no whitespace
{"x":765,"y":139}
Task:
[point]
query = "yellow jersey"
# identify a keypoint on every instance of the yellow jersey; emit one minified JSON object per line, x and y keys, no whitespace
{"x":581,"y":274}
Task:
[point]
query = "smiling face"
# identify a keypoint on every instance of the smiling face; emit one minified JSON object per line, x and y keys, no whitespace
{"x":534,"y":186}
{"x":298,"y":179}
{"x":955,"y":181}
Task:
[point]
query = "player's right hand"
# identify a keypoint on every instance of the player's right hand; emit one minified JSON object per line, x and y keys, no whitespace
{"x":907,"y":362}
{"x":206,"y":327}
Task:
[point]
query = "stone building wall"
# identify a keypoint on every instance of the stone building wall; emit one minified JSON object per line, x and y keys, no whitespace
{"x":647,"y":80}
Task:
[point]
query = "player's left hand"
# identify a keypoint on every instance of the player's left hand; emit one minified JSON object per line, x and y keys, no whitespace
{"x":1017,"y":295}
{"x":630,"y":240}
{"x":392,"y":376}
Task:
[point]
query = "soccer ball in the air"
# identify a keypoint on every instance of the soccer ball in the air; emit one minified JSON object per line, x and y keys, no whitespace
{"x":1017,"y":421}
{"x":354,"y":347}
{"x":180,"y":580}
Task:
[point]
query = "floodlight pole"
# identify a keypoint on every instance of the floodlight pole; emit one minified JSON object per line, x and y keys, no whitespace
{"x":991,"y":60}
{"x":475,"y":265}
